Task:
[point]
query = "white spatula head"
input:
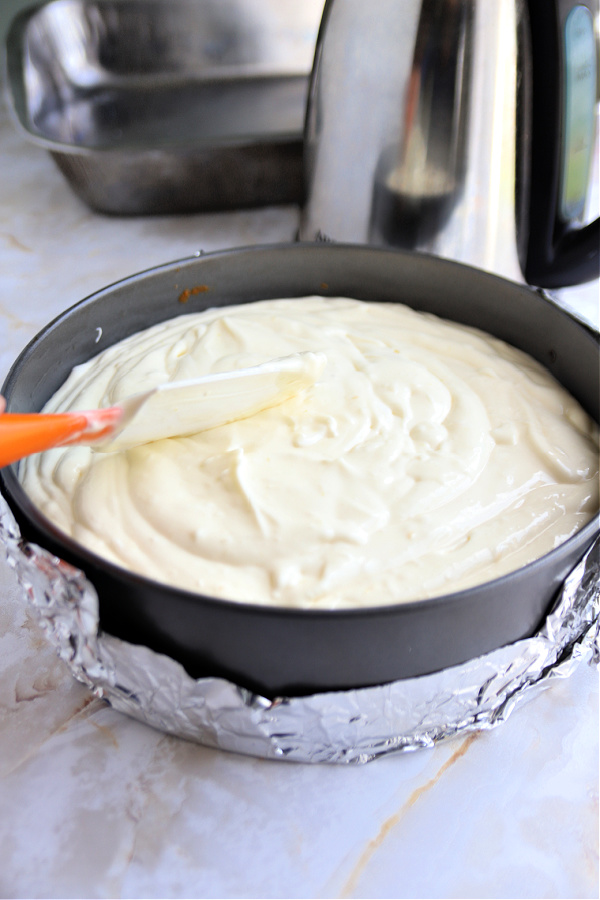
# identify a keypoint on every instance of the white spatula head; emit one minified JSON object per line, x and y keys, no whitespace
{"x":181,"y":408}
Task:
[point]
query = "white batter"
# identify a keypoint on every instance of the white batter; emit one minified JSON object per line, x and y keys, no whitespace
{"x":427,"y":458}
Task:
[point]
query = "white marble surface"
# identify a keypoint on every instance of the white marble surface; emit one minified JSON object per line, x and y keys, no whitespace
{"x":93,"y":804}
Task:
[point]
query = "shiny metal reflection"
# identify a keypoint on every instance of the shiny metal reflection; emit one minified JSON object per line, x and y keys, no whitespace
{"x":415,"y":128}
{"x":167,"y":105}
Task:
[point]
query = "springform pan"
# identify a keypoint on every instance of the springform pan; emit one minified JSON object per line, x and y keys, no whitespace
{"x":276,"y":651}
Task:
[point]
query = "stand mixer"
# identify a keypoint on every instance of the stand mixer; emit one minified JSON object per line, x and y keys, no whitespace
{"x":462,"y":128}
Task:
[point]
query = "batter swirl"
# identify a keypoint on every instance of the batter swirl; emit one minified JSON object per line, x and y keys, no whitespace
{"x":429,"y":457}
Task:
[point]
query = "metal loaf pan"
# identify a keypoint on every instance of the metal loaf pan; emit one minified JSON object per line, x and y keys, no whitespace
{"x":167,"y":106}
{"x":285,"y":651}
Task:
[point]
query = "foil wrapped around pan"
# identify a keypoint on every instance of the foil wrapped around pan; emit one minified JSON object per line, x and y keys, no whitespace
{"x":353,"y":726}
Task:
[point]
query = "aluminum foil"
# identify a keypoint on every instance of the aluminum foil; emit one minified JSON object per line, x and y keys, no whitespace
{"x":353,"y":726}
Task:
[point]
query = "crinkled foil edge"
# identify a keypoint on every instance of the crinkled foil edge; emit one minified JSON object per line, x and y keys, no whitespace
{"x":353,"y":726}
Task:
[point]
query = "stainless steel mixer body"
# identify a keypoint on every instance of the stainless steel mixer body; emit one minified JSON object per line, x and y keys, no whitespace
{"x":419,"y":128}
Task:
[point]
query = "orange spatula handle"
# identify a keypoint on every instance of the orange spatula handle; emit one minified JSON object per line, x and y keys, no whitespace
{"x":24,"y":433}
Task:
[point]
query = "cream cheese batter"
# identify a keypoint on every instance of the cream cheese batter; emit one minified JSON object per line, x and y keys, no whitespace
{"x":427,"y":458}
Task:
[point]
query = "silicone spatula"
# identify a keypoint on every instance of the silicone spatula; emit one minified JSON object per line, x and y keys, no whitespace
{"x":173,"y":409}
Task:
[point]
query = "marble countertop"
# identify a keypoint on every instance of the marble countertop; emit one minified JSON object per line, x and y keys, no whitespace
{"x":94,"y":804}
